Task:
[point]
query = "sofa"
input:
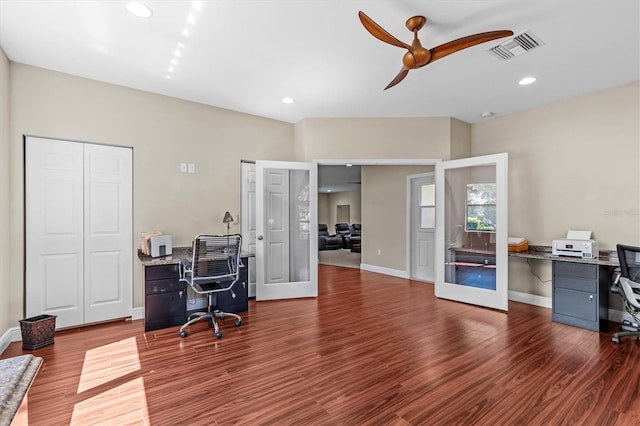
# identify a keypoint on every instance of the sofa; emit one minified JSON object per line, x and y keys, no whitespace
{"x":327,"y":241}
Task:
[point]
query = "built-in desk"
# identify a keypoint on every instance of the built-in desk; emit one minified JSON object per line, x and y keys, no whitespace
{"x":580,"y":294}
{"x":165,"y":302}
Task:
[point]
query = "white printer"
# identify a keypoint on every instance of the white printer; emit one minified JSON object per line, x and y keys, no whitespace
{"x":577,"y":244}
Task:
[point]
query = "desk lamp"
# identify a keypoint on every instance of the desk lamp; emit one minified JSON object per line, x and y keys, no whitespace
{"x":227,"y":219}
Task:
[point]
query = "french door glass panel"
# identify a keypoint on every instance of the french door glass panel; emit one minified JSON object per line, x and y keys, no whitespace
{"x":471,"y":236}
{"x":286,"y":230}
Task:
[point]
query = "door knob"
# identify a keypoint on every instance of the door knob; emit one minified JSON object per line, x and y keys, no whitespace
{"x":259,"y":237}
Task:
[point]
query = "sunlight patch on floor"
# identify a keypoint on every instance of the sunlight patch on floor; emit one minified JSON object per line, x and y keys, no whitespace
{"x":122,"y":403}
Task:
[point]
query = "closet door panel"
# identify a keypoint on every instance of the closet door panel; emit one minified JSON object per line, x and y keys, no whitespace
{"x":108,"y":232}
{"x":54,"y":260}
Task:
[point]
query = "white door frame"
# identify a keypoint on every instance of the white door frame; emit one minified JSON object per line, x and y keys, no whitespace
{"x":386,"y":162}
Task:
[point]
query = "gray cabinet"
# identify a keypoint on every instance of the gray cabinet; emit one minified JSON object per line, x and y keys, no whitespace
{"x":580,"y":295}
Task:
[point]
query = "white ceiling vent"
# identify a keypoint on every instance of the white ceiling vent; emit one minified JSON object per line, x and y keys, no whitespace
{"x":516,"y":46}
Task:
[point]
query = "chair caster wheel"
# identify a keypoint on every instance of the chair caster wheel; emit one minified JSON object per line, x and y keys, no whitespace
{"x":615,"y":340}
{"x":219,"y":335}
{"x":183,"y":334}
{"x":238,"y":323}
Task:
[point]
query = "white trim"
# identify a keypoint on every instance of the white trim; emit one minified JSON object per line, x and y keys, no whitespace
{"x":386,"y":271}
{"x":618,"y":316}
{"x":379,"y":162}
{"x":530,"y":299}
{"x":12,"y":334}
{"x":137,"y":313}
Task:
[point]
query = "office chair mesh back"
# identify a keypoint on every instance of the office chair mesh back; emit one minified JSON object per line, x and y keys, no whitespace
{"x":629,"y":258}
{"x":215,"y":259}
{"x":628,"y":286}
{"x":214,"y":268}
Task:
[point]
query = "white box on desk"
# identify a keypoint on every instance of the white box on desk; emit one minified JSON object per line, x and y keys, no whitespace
{"x":160,"y":245}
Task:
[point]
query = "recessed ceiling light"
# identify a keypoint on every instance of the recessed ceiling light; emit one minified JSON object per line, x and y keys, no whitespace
{"x":527,"y":80}
{"x":487,"y":114}
{"x":287,"y":100}
{"x":139,"y":9}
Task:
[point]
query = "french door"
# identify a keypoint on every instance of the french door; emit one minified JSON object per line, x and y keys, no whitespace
{"x":472,"y":230}
{"x":286,"y":230}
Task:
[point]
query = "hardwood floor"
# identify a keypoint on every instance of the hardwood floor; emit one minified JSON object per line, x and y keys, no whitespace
{"x":371,"y":349}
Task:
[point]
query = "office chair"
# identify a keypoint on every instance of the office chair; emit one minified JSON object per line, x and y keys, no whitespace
{"x":214,"y":268}
{"x":627,"y":284}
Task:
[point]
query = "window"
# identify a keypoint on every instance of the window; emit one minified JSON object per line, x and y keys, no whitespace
{"x":428,"y":206}
{"x":481,"y":207}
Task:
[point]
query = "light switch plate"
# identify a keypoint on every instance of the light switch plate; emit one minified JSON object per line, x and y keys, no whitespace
{"x":192,"y":168}
{"x":183,"y":167}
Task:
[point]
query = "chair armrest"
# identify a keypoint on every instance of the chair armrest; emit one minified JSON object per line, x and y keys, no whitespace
{"x":184,"y":268}
{"x":632,"y":297}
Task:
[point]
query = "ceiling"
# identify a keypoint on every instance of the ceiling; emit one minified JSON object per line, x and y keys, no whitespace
{"x":338,"y":178}
{"x":246,"y":55}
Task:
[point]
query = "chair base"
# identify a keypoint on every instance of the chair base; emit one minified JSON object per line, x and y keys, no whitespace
{"x":211,"y":316}
{"x":616,"y":337}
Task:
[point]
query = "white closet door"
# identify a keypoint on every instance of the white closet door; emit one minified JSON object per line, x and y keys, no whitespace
{"x":79,"y":232}
{"x":108,"y":225}
{"x":54,"y":230}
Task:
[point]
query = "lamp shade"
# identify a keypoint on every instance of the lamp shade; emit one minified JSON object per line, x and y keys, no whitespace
{"x":227,"y":218}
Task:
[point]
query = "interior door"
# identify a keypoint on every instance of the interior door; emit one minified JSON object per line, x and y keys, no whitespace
{"x":286,"y":230}
{"x":422,"y":227}
{"x":472,"y":229}
{"x":108,"y":232}
{"x":54,"y":240}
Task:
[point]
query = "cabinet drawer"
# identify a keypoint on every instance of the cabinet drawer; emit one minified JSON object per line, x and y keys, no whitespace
{"x":572,"y":283}
{"x":165,"y":310}
{"x":163,"y":286}
{"x":160,"y":272}
{"x":580,"y":270}
{"x":575,"y":304}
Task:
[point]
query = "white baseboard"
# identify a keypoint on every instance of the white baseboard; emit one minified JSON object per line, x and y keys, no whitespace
{"x":12,"y":334}
{"x":137,"y":313}
{"x":618,"y":316}
{"x":386,"y":271}
{"x":530,"y":299}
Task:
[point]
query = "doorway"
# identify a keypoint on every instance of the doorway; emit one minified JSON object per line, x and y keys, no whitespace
{"x":422,"y":226}
{"x":343,"y":213}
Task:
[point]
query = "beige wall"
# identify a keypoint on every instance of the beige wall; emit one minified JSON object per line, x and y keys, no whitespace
{"x":572,"y":165}
{"x":351,"y":198}
{"x":384,"y":214}
{"x":5,"y":188}
{"x":367,"y":138}
{"x":163,"y":132}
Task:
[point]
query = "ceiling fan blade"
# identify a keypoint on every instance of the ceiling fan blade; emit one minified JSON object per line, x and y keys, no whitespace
{"x":378,"y":32}
{"x":454,"y":46}
{"x":401,"y":75}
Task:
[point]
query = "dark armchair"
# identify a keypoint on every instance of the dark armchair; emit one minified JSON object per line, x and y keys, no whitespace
{"x":344,"y":231}
{"x":327,"y":241}
{"x":356,"y":235}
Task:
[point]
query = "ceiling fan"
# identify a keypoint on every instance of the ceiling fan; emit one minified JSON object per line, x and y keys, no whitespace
{"x":418,"y":56}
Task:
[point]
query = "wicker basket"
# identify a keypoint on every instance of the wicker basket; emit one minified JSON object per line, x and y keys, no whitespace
{"x":37,"y":331}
